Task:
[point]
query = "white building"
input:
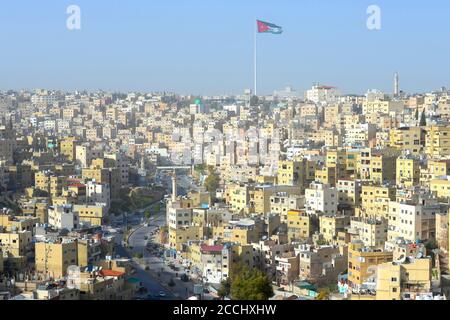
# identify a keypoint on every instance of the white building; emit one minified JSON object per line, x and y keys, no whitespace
{"x":178,"y":217}
{"x":282,"y":202}
{"x":323,"y":94}
{"x":414,"y":220}
{"x":98,"y":194}
{"x":321,"y":199}
{"x":63,"y":217}
{"x":359,"y":134}
{"x":215,"y":262}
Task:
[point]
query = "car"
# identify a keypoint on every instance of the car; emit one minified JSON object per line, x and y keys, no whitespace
{"x":162,"y":294}
{"x":145,"y":238}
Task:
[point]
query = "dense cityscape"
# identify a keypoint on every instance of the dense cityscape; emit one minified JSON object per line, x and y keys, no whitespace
{"x":289,"y":196}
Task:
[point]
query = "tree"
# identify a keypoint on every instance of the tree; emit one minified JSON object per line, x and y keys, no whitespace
{"x":417,"y":114}
{"x":249,"y":284}
{"x":423,"y":119}
{"x":225,"y":288}
{"x":324,"y":294}
{"x":212,"y":181}
{"x":254,"y":101}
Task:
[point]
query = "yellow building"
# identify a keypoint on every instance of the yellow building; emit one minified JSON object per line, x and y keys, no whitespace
{"x":53,"y":258}
{"x":440,"y":187}
{"x":382,"y":168}
{"x":18,"y":223}
{"x":362,"y":262}
{"x":382,"y":106}
{"x":95,"y":215}
{"x":375,"y":201}
{"x":37,"y":207}
{"x":98,"y":174}
{"x":16,"y":244}
{"x":438,"y":141}
{"x":42,"y":181}
{"x":349,"y":192}
{"x":410,"y":139}
{"x":182,"y":235}
{"x":89,"y":252}
{"x":394,"y":280}
{"x":435,"y":169}
{"x":351,"y":161}
{"x":407,"y":172}
{"x":57,"y":184}
{"x":299,"y":225}
{"x":337,"y":159}
{"x":237,"y":196}
{"x":260,"y":197}
{"x":330,"y":226}
{"x":67,"y":148}
{"x":244,"y":231}
{"x":326,"y":175}
{"x":291,"y":173}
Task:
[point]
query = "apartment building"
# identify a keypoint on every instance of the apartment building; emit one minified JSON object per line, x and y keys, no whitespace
{"x":300,"y":225}
{"x":363,"y":262}
{"x":321,"y":199}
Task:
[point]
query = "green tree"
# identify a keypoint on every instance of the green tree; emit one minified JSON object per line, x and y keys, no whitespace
{"x":324,"y":294}
{"x":249,"y":284}
{"x":254,"y":101}
{"x":200,"y":168}
{"x":212,"y":181}
{"x":423,"y":119}
{"x":225,"y":288}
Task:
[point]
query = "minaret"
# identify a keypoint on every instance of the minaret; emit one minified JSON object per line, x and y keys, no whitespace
{"x":174,"y":186}
{"x":396,"y":85}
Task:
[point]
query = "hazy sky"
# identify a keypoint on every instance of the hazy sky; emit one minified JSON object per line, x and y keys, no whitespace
{"x":206,"y":46}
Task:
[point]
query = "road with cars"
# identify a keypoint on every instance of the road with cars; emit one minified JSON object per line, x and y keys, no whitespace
{"x":154,"y":269}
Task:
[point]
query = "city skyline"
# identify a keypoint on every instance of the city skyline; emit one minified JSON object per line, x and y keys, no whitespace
{"x":213,"y":52}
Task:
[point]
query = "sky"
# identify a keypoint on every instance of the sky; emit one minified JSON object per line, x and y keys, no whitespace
{"x":206,"y":46}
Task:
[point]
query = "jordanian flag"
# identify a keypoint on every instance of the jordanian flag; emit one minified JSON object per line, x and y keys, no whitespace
{"x":265,"y":27}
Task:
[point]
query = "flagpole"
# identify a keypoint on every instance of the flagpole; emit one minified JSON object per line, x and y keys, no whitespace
{"x":256,"y":62}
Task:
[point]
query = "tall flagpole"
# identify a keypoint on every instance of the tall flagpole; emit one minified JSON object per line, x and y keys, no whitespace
{"x":256,"y":61}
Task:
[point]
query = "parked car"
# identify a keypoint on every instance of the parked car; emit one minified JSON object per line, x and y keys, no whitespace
{"x":162,"y":294}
